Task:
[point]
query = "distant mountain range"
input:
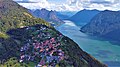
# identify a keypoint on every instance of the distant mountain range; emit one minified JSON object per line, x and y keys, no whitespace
{"x":49,"y":16}
{"x":105,"y":24}
{"x":83,"y":16}
{"x":65,"y":15}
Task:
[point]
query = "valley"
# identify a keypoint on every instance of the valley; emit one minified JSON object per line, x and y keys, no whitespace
{"x":100,"y":49}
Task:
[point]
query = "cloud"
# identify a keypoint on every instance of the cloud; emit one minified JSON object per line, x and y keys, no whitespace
{"x":35,"y":4}
{"x":73,"y":5}
{"x":31,"y":0}
{"x":50,"y":6}
{"x":105,"y":4}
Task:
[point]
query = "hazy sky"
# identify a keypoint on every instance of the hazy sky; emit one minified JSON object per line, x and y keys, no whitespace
{"x":72,"y":5}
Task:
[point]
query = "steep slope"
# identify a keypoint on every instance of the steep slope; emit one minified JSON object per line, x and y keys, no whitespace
{"x":49,"y":16}
{"x":83,"y":16}
{"x":38,"y":45}
{"x":42,"y":45}
{"x":13,"y":15}
{"x":105,"y":24}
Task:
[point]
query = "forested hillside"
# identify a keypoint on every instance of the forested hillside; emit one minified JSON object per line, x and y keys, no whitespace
{"x":13,"y":15}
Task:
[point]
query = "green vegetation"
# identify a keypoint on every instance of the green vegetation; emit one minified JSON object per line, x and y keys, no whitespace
{"x":3,"y":35}
{"x":73,"y":53}
{"x":13,"y":62}
{"x":74,"y":56}
{"x":11,"y":47}
{"x":14,"y":16}
{"x":31,"y":64}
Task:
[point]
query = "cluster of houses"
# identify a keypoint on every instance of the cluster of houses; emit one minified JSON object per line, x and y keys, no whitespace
{"x":43,"y":46}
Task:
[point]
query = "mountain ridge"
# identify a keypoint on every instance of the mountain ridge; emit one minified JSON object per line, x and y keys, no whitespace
{"x":105,"y":24}
{"x":49,"y":16}
{"x":83,"y":16}
{"x":13,"y":15}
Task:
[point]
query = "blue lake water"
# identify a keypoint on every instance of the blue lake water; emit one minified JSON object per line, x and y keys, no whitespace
{"x":100,"y":49}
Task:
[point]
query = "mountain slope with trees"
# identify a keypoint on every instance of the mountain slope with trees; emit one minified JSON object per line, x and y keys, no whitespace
{"x":83,"y":16}
{"x":36,"y":43}
{"x":13,"y":15}
{"x":105,"y":24}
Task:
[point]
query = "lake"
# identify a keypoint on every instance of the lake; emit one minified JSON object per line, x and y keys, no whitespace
{"x":102,"y":50}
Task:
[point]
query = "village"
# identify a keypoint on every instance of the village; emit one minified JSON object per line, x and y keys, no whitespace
{"x":43,"y":45}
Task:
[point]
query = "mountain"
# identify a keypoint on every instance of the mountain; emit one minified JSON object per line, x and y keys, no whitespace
{"x":49,"y":16}
{"x":13,"y":15}
{"x":105,"y":24}
{"x":64,"y":15}
{"x":42,"y":45}
{"x":36,"y":43}
{"x":83,"y":16}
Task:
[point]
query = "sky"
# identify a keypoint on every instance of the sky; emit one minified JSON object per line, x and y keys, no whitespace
{"x":71,"y":5}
